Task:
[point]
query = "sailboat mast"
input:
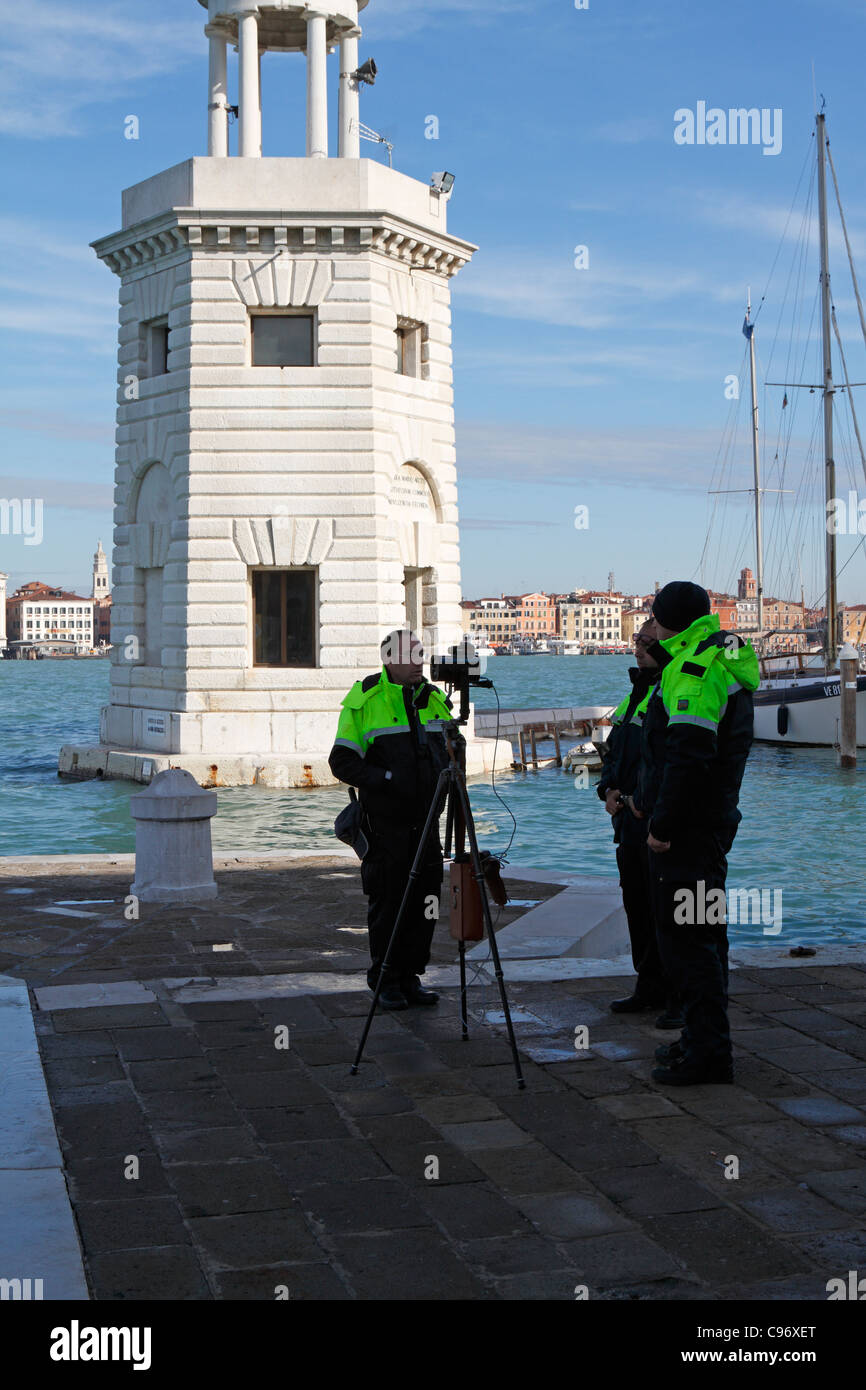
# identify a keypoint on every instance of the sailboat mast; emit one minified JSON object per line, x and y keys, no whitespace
{"x":759,"y":544}
{"x":829,"y":462}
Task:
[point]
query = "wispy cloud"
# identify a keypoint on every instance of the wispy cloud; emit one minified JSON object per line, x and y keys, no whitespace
{"x":514,"y":284}
{"x":56,"y":60}
{"x":61,"y":290}
{"x":596,"y":366}
{"x":56,"y":425}
{"x":671,"y":459}
{"x":774,"y":221}
{"x":60,"y":492}
{"x":499,"y":523}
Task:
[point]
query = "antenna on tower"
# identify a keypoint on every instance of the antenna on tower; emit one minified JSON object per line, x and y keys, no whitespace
{"x":366,"y":133}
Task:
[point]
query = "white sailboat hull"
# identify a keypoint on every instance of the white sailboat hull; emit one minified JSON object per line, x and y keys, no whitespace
{"x":812,"y":709}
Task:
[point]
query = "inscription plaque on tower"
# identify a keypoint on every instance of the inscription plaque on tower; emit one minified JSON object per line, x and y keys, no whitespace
{"x":410,"y":492}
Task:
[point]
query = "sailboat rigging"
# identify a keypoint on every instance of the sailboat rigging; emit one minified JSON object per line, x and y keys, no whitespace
{"x":799,"y":700}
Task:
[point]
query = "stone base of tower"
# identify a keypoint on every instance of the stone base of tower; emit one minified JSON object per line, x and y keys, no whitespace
{"x":81,"y":762}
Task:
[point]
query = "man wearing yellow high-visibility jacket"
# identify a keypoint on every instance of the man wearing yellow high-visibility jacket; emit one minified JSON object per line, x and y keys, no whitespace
{"x":384,"y":749}
{"x":621,"y":761}
{"x":696,"y":738}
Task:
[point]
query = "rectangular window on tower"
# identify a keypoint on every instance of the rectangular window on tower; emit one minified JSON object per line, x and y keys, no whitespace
{"x":155,"y":347}
{"x":284,"y":617}
{"x":411,"y":340}
{"x":282,"y":340}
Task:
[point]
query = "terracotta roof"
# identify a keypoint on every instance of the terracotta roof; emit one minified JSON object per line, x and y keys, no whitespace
{"x":37,"y":592}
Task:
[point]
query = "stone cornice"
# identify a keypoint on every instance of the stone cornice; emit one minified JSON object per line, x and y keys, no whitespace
{"x":252,"y":234}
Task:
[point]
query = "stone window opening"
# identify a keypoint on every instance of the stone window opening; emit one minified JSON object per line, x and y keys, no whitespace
{"x":411,"y":347}
{"x":284,"y":617}
{"x":282,"y":340}
{"x":154,"y":347}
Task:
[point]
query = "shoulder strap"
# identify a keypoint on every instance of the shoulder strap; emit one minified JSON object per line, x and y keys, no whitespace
{"x":362,"y":690}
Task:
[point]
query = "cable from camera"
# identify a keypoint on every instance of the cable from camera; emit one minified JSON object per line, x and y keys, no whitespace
{"x":503,"y":857}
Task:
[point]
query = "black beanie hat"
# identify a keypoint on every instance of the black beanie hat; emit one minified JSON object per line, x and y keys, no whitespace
{"x":679,"y":603}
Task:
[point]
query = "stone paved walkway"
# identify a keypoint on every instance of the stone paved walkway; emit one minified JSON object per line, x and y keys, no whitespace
{"x":264,"y":1168}
{"x":65,"y":925}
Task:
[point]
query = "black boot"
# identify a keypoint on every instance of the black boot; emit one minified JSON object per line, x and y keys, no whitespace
{"x":415,"y":993}
{"x":670,"y":1052}
{"x":670,"y":1020}
{"x":392,"y":998}
{"x":686,"y":1072}
{"x":634,"y":1004}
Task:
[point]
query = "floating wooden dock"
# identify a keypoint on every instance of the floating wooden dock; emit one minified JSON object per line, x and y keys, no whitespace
{"x":522,"y":726}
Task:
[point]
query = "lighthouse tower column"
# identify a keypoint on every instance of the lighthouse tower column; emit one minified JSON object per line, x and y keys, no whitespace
{"x":317,"y":86}
{"x":218,"y":114}
{"x":250,"y":138}
{"x":285,"y":478}
{"x":350,"y":106}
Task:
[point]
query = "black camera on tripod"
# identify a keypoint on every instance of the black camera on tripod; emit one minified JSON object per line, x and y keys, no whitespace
{"x":459,"y":669}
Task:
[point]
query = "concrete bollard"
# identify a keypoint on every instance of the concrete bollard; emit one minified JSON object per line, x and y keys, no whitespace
{"x":173,"y":857}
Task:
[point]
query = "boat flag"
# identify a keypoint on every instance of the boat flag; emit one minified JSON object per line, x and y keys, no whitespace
{"x":748,"y":328}
{"x":784,"y":400}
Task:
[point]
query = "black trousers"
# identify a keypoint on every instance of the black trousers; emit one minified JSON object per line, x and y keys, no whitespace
{"x":634,"y":880}
{"x":694,"y":951}
{"x":384,"y":876}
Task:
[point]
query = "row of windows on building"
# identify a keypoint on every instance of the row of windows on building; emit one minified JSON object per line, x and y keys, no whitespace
{"x":284,"y":340}
{"x":62,"y":626}
{"x":81,"y":608}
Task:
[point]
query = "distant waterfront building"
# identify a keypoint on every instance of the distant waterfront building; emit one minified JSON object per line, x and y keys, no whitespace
{"x":536,"y":614}
{"x":569,"y":613}
{"x":3,"y":581}
{"x":745,"y":615}
{"x":102,"y":622}
{"x":782,"y":614}
{"x":285,"y":477}
{"x":853,"y":623}
{"x":52,"y":619}
{"x":599,"y":619}
{"x":729,"y":610}
{"x":632,"y":619}
{"x":495,"y":617}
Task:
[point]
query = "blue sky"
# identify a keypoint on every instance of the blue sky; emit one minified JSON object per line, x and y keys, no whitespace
{"x":601,"y":387}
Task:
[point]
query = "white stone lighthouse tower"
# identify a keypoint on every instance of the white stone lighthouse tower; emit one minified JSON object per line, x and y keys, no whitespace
{"x":285,"y":480}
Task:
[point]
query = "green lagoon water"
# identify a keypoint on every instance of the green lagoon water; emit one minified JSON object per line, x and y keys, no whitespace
{"x":803,"y":830}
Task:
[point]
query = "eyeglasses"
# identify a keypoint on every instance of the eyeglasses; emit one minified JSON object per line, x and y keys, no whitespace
{"x":644,"y":641}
